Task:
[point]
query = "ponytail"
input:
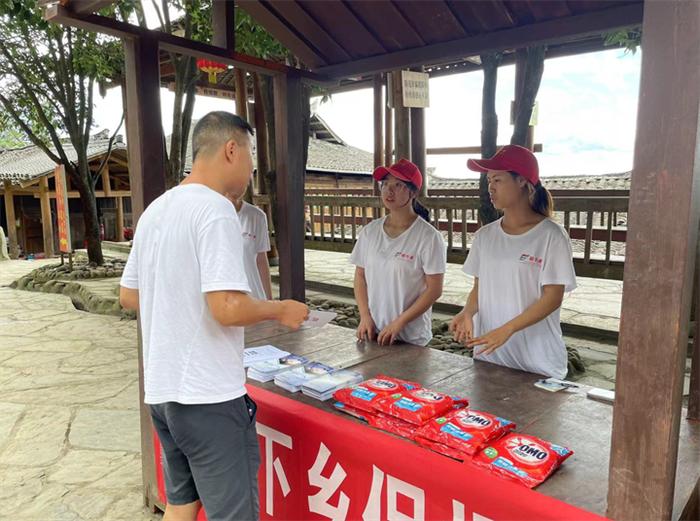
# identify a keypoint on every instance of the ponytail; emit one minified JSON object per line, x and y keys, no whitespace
{"x":421,"y":210}
{"x":541,"y":200}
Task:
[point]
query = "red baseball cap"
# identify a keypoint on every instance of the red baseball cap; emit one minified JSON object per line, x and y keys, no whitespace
{"x":404,"y":170}
{"x":512,"y":158}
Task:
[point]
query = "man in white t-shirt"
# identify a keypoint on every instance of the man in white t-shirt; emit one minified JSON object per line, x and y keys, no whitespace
{"x":186,"y":278}
{"x":256,"y":244}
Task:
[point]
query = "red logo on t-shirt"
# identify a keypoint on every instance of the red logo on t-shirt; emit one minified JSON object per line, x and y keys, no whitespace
{"x":404,"y":256}
{"x":530,"y":259}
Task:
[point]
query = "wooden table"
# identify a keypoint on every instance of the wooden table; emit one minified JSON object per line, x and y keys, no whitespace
{"x":570,"y":419}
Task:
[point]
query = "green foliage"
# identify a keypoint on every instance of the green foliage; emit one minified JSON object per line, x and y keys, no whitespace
{"x":253,"y":40}
{"x":630,"y":39}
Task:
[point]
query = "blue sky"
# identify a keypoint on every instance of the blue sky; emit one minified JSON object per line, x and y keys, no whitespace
{"x":587,"y":114}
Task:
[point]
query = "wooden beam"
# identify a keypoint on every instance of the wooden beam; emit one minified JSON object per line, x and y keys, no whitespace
{"x":88,"y":6}
{"x":466,"y":150}
{"x":265,"y":16}
{"x":659,"y":262}
{"x":46,"y":220}
{"x":120,"y":219}
{"x":172,"y":43}
{"x":223,"y":25}
{"x":147,"y":178}
{"x":290,"y":185}
{"x":551,"y":31}
{"x":12,"y":244}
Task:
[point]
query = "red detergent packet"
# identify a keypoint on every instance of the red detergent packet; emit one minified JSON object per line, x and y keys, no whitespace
{"x":524,"y":459}
{"x":391,"y":424}
{"x":363,"y":395}
{"x":416,"y":406}
{"x":465,"y":430}
{"x":352,"y":411}
{"x":441,"y":449}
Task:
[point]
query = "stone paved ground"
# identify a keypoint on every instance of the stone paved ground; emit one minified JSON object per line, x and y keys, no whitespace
{"x":69,"y":421}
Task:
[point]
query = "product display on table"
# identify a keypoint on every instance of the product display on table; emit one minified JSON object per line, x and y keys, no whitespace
{"x":416,"y":406}
{"x":465,"y":430}
{"x":364,"y":395}
{"x":293,"y":379}
{"x":523,"y":459}
{"x":254,"y":355}
{"x":266,"y":371}
{"x":323,"y":387}
{"x":352,"y":411}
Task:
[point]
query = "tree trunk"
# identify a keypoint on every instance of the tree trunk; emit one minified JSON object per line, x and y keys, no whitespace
{"x":532,"y":62}
{"x":269,"y":178}
{"x":489,"y":131}
{"x":183,"y":106}
{"x":83,"y":183}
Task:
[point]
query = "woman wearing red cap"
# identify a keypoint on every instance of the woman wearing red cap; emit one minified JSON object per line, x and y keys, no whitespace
{"x":400,"y":263}
{"x":522,"y":266}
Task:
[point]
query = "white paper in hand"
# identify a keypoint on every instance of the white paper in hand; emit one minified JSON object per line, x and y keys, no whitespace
{"x":254,"y":355}
{"x":318,"y":319}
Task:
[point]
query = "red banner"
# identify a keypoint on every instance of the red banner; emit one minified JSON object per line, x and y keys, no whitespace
{"x":64,"y":238}
{"x":317,"y":465}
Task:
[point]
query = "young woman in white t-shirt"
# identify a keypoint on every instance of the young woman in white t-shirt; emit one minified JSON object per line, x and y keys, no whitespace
{"x":522,"y":266}
{"x":256,"y":244}
{"x":400,"y":263}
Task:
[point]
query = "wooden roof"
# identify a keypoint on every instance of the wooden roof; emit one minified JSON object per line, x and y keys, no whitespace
{"x":345,"y":39}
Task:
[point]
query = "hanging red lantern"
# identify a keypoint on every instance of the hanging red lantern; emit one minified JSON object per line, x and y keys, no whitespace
{"x":211,"y":67}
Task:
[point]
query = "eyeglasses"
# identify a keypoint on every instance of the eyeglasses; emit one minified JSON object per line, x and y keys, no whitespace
{"x":395,"y":188}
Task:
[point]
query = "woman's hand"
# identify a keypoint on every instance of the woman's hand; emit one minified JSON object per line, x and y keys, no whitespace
{"x":462,"y":327}
{"x":367,"y":328}
{"x":390,"y":333}
{"x":491,"y":340}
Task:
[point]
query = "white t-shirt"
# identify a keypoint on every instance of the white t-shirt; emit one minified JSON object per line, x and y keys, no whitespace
{"x":512,"y":270}
{"x":255,"y":240}
{"x":395,"y":271}
{"x":182,"y":249}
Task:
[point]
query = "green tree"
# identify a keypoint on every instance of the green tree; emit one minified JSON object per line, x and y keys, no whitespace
{"x":47,"y":79}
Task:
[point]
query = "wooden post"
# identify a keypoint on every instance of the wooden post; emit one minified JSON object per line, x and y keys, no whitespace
{"x":223,"y":24}
{"x":378,"y":127}
{"x":147,"y":178}
{"x":418,"y":143}
{"x":402,"y":123}
{"x":241,"y":93}
{"x":290,"y":184}
{"x":120,"y":219}
{"x":46,"y":221}
{"x":106,"y":186}
{"x":12,"y":244}
{"x":660,"y":257}
{"x":694,"y":392}
{"x":388,"y":123}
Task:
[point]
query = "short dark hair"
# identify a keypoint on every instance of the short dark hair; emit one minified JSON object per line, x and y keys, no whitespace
{"x":215,"y":129}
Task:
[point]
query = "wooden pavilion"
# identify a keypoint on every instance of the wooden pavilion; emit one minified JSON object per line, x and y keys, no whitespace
{"x":357,"y":40}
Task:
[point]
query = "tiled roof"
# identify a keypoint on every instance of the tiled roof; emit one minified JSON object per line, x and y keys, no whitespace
{"x":574,"y":182}
{"x":324,"y":156}
{"x":22,"y":165}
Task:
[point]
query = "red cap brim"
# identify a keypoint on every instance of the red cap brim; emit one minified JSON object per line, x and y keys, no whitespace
{"x":382,"y":171}
{"x":484,"y":165}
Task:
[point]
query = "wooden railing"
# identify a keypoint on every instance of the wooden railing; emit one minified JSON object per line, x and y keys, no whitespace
{"x":595,"y":219}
